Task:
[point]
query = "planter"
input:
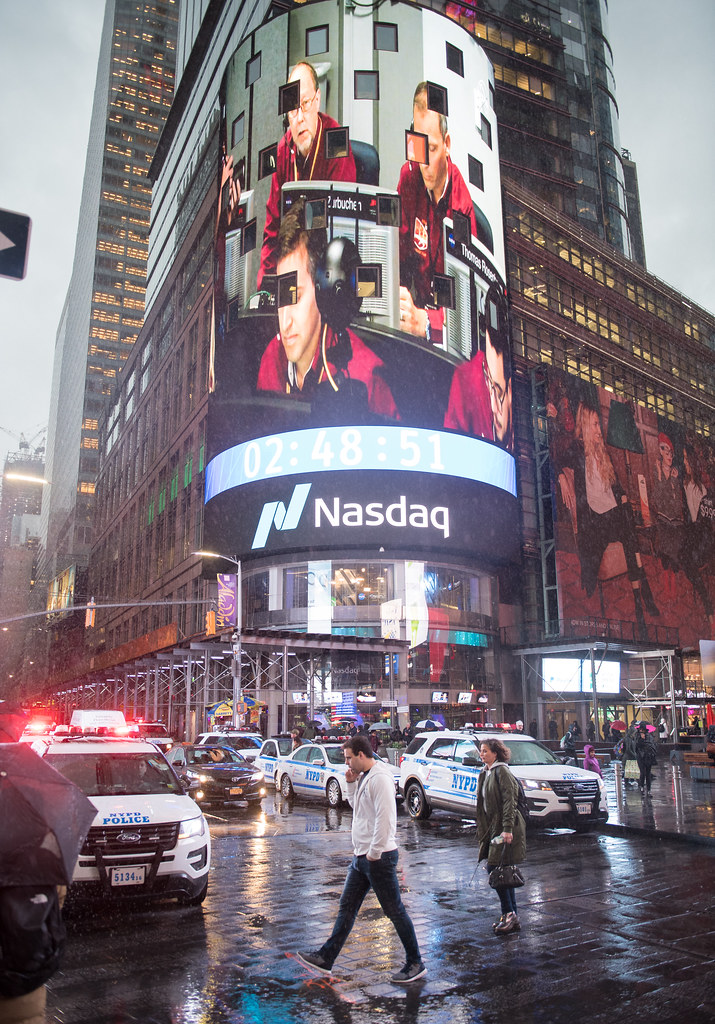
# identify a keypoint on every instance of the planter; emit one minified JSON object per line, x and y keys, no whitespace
{"x":394,"y":754}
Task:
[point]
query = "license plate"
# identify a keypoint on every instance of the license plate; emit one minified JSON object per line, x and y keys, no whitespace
{"x":583,"y":808}
{"x":128,"y":876}
{"x":236,"y":791}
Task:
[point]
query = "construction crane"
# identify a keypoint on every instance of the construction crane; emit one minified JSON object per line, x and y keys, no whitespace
{"x":24,"y":445}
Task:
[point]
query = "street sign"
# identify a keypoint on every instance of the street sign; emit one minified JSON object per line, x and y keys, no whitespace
{"x":389,"y":703}
{"x":14,"y":243}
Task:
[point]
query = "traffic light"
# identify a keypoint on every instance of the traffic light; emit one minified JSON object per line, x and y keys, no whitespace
{"x":210,"y":623}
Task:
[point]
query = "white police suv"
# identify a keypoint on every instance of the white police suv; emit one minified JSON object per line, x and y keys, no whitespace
{"x":318,"y":770}
{"x":149,"y":838}
{"x":440,"y":769}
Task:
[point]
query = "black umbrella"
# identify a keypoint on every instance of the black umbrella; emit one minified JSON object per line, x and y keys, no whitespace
{"x":12,"y":722}
{"x":45,"y":819}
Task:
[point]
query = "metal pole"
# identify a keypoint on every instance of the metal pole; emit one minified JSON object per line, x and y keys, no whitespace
{"x":595,"y":694}
{"x":618,"y":772}
{"x":188,"y":671}
{"x":236,"y":662}
{"x":393,"y":709}
{"x":284,"y":687}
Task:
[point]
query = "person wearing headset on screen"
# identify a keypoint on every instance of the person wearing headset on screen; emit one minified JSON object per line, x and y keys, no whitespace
{"x":480,"y":394}
{"x":429,"y":193}
{"x":307,"y":356}
{"x":301,"y":157}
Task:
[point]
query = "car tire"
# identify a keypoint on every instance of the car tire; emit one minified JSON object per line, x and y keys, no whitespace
{"x":416,"y":801}
{"x":286,"y":787}
{"x":198,"y":899}
{"x":333,"y":793}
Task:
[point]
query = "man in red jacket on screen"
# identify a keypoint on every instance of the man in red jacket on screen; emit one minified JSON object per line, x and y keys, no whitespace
{"x":301,"y":157}
{"x":307,"y":357}
{"x":429,"y":193}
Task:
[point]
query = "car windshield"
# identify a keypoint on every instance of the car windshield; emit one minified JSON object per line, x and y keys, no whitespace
{"x":153,"y":730}
{"x":284,"y":744}
{"x":244,"y":742}
{"x":336,"y":755}
{"x":105,"y":774}
{"x":526,"y":752}
{"x":213,"y":755}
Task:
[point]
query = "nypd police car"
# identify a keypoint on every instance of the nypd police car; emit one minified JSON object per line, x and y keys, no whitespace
{"x":317,"y":770}
{"x":272,"y":752}
{"x":148,"y":839}
{"x":441,"y":770}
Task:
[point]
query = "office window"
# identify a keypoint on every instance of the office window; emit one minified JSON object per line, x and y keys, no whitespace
{"x":455,"y":59}
{"x":253,"y":69}
{"x":316,"y":40}
{"x":476,"y":172}
{"x":237,"y":129}
{"x":367,"y":85}
{"x":486,"y":131}
{"x":385,"y":36}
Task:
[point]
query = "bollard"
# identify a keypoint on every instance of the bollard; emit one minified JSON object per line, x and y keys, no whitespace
{"x":618,"y":771}
{"x":678,"y":796}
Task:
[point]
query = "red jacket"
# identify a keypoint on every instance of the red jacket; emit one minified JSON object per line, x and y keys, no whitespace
{"x":290,"y":166}
{"x":469,"y":409}
{"x":421,"y":244}
{"x":363,"y":366}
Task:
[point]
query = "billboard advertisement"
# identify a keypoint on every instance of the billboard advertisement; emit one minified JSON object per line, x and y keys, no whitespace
{"x":634,"y":512}
{"x":361,"y":359}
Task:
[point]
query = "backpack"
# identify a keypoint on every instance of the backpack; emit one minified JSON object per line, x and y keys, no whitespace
{"x":32,"y":937}
{"x":649,"y":754}
{"x":567,"y":740}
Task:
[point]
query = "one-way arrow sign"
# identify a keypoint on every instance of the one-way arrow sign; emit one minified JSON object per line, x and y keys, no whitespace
{"x":14,"y":242}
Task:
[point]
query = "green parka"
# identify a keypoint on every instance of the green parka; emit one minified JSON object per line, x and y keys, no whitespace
{"x":496,"y":813}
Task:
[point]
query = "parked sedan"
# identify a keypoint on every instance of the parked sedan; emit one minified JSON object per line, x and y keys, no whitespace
{"x":318,"y":769}
{"x":222,"y":774}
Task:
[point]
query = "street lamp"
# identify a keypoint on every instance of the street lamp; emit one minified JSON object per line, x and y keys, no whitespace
{"x":236,"y":638}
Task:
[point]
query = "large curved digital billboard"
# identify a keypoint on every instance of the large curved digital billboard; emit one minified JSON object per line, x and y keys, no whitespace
{"x":361,"y":364}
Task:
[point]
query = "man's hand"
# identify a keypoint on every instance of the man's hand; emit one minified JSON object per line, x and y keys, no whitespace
{"x":234,"y":188}
{"x":351,"y":776}
{"x":412,"y":319}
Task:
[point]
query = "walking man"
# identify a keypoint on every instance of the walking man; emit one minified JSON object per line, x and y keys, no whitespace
{"x":371,"y":793}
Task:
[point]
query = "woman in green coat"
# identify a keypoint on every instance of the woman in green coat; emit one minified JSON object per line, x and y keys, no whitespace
{"x":498,"y":819}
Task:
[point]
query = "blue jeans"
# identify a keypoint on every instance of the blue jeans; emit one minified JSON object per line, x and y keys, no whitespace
{"x":507,"y":898}
{"x":381,"y":876}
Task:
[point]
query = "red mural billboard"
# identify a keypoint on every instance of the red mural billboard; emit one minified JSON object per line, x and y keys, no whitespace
{"x":634,"y":513}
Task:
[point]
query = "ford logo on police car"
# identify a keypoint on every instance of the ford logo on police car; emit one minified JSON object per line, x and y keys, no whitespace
{"x":129,"y":837}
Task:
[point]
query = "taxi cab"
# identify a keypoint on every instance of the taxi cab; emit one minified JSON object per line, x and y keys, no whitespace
{"x":149,"y":838}
{"x":318,"y":770}
{"x":441,"y":769}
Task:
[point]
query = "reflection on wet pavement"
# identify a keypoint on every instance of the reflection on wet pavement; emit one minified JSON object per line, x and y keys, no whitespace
{"x":612,"y":926}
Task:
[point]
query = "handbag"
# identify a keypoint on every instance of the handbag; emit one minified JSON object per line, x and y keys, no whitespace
{"x":632,"y":771}
{"x":507,"y":876}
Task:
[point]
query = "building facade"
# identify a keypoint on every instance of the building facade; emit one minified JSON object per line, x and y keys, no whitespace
{"x":479,"y":614}
{"x":104,"y":308}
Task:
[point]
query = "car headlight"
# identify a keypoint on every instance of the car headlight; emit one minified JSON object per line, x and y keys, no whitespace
{"x":535,"y":784}
{"x":198,"y":777}
{"x":257,"y":777}
{"x":192,"y":827}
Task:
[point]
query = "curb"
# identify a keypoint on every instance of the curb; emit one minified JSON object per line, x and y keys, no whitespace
{"x":684,"y":837}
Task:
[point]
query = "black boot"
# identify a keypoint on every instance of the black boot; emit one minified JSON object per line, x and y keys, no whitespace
{"x":647,"y":594}
{"x":640,"y":621}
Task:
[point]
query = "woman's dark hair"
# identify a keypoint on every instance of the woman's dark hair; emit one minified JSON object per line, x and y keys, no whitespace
{"x":497,"y":747}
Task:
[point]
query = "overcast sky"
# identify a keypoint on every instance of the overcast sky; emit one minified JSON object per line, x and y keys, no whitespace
{"x":665,"y":75}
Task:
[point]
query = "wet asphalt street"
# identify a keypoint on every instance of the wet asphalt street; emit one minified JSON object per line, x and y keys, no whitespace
{"x":614,"y":927}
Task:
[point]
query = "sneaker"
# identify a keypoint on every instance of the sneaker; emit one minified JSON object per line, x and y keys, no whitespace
{"x":497,"y":923}
{"x":409,"y":973}
{"x":315,"y":962}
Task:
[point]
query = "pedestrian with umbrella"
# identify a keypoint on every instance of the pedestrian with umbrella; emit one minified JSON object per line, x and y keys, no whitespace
{"x":45,"y":821}
{"x":646,"y":756}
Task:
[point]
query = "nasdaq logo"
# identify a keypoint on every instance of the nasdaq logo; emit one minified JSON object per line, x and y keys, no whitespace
{"x":274,"y":513}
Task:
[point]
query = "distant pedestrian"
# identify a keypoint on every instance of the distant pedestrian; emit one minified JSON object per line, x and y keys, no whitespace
{"x":498,"y":823}
{"x":590,"y":761}
{"x":606,"y":730}
{"x":533,"y":728}
{"x":568,"y":746}
{"x":553,"y":729}
{"x":371,"y":794}
{"x":663,"y":731}
{"x":519,"y":726}
{"x":591,"y":732}
{"x":628,"y":754}
{"x":576,"y":730}
{"x":646,"y":755}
